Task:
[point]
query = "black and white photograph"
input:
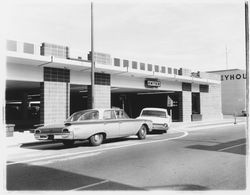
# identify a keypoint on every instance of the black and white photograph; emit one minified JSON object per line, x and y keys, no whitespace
{"x":125,"y":96}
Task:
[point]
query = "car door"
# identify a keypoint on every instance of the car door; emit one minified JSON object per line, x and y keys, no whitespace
{"x":127,"y":125}
{"x":111,"y":125}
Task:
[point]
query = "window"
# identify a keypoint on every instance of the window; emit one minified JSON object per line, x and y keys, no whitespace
{"x":195,"y":103}
{"x":120,"y":114}
{"x":108,"y":114}
{"x":142,"y":66}
{"x":156,"y":68}
{"x":116,"y":62}
{"x":134,"y":65}
{"x":125,"y":63}
{"x":93,"y":115}
{"x":11,"y":45}
{"x":28,"y":48}
{"x":204,"y":88}
{"x":163,"y":69}
{"x":150,"y":67}
{"x":186,"y":87}
{"x":169,"y":70}
{"x":84,"y":115}
{"x":175,"y":71}
{"x":154,"y":113}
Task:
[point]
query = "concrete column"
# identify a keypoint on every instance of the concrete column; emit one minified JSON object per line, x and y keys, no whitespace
{"x":102,"y":91}
{"x":211,"y":108}
{"x":54,"y":102}
{"x":102,"y":96}
{"x":186,"y":106}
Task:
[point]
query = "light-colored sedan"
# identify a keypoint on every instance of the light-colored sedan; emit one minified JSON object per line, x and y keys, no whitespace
{"x":159,"y":116}
{"x":94,"y":125}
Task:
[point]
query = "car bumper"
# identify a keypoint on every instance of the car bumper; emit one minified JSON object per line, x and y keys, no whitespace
{"x":160,"y":127}
{"x":54,"y":136}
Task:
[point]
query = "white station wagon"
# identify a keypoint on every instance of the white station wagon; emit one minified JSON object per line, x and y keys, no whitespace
{"x":94,"y":125}
{"x":159,"y":116}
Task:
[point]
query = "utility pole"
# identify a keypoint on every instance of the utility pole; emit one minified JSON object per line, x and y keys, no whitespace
{"x":92,"y":60}
{"x":226,"y":58}
{"x":247,"y":61}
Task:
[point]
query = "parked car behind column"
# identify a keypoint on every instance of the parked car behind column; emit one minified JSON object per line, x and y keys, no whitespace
{"x":159,"y":117}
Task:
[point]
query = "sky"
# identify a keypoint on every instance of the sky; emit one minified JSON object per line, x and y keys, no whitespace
{"x":199,"y":35}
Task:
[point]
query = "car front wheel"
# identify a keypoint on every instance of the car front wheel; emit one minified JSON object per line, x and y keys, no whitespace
{"x":142,"y":132}
{"x":96,"y":140}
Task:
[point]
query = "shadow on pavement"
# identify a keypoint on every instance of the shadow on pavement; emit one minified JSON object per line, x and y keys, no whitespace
{"x":181,"y":187}
{"x":56,"y":145}
{"x":24,"y":177}
{"x":236,"y":146}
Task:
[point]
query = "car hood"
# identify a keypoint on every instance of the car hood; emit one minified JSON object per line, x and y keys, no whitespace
{"x":154,"y":119}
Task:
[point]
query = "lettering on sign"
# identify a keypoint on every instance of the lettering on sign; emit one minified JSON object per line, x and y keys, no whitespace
{"x":152,"y":83}
{"x":233,"y":77}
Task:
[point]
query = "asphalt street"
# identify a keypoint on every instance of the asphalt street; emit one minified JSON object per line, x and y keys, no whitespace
{"x":208,"y":158}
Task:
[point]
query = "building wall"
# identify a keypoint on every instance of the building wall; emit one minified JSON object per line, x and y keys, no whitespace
{"x":210,"y":103}
{"x":20,"y":72}
{"x":186,"y":106}
{"x":233,"y":91}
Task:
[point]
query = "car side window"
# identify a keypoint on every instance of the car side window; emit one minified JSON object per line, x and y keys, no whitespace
{"x":120,"y":114}
{"x":89,"y":116}
{"x":109,"y":114}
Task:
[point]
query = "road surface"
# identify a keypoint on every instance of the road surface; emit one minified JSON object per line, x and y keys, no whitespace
{"x":207,"y":158}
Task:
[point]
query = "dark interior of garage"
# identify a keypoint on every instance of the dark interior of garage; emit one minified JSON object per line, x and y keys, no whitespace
{"x":133,"y":103}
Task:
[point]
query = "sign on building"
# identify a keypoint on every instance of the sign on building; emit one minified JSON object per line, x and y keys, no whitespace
{"x":152,"y":83}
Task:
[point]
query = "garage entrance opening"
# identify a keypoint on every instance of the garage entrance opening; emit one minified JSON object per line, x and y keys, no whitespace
{"x":78,"y":97}
{"x":134,"y":102}
{"x":22,"y":106}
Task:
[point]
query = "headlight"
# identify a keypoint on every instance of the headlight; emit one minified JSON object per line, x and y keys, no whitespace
{"x":165,"y":125}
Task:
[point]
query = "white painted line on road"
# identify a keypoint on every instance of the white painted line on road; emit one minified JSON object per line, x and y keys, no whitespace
{"x":231,"y":147}
{"x":212,"y":126}
{"x":91,"y":185}
{"x":101,"y":150}
{"x":63,"y":159}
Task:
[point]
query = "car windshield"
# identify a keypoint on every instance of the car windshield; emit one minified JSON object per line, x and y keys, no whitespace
{"x":84,"y":115}
{"x":154,"y":113}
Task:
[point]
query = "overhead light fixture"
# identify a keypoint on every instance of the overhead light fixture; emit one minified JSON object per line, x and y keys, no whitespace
{"x":152,"y":93}
{"x":114,"y":88}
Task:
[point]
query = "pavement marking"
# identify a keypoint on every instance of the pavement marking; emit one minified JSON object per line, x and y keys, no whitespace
{"x":100,"y":150}
{"x":212,"y":126}
{"x":231,"y":147}
{"x":90,"y":185}
{"x":63,"y":159}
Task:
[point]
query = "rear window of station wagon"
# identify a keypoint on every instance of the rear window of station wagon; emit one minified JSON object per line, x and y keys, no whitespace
{"x":154,"y":113}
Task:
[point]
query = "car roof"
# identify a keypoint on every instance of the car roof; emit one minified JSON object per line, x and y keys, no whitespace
{"x":158,"y":109}
{"x":100,"y":109}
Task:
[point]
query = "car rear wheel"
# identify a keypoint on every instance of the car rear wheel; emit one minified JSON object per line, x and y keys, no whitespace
{"x":96,"y":140}
{"x":68,"y":143}
{"x":142,"y":132}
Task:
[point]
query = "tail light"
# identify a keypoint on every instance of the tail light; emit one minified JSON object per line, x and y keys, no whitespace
{"x":65,"y":131}
{"x":37,"y":131}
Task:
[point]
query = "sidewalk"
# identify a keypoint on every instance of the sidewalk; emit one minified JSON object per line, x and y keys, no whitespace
{"x":27,"y":138}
